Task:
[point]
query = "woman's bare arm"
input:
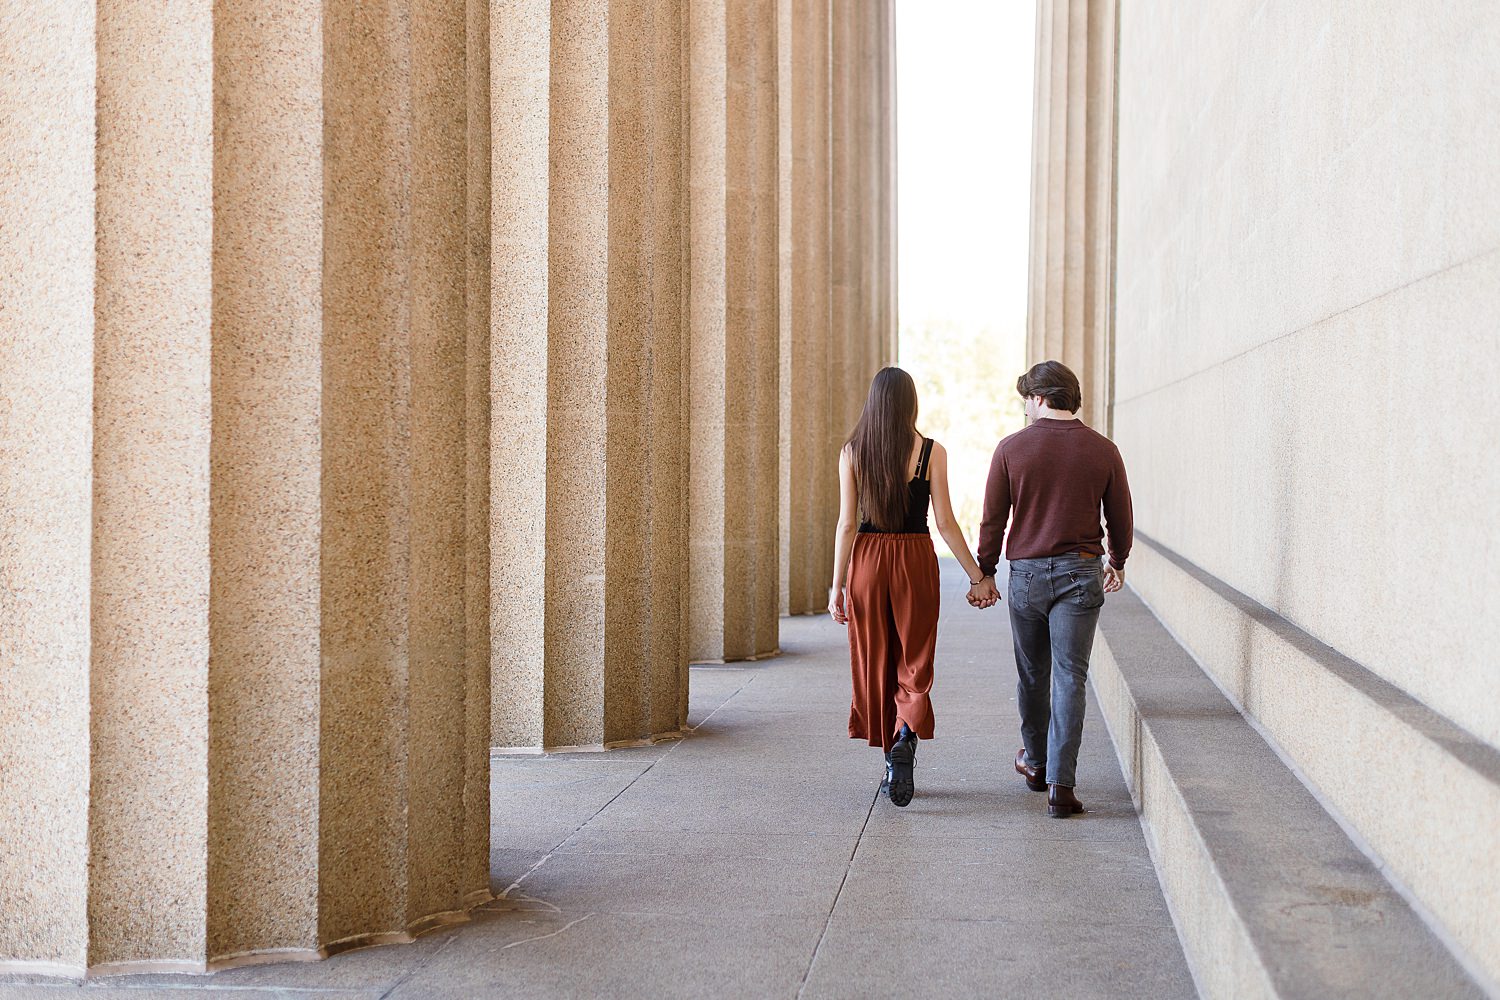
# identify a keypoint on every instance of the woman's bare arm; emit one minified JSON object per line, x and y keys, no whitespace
{"x":942,"y":513}
{"x":843,"y":537}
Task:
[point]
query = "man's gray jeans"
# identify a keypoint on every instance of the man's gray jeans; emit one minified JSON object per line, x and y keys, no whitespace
{"x":1054,"y":607}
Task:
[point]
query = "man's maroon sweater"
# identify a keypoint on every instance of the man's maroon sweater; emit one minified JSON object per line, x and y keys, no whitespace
{"x":1056,"y":475}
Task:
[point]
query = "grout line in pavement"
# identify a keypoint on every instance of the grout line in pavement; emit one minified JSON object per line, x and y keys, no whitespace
{"x":848,"y":865}
{"x":710,"y":715}
{"x":401,"y":980}
{"x":631,"y":784}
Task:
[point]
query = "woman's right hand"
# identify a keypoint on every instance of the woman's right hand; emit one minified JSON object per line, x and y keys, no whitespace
{"x":984,"y":594}
{"x":836,"y":605}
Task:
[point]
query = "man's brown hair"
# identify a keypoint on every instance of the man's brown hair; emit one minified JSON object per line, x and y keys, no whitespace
{"x":1055,"y":383}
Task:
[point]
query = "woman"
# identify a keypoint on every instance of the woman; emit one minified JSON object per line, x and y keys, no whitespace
{"x":887,"y":590}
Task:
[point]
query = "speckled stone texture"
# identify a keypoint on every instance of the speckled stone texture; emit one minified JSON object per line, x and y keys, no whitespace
{"x":477,"y":522}
{"x":520,"y":126}
{"x":847,"y":384}
{"x":148,"y":776}
{"x":265,"y":493}
{"x":588,"y":374}
{"x":784,"y":298}
{"x":367,"y":475}
{"x":839,"y":327}
{"x":237,"y":607}
{"x":47,"y":101}
{"x":889,"y":326}
{"x":349,"y":366}
{"x":811,"y":473}
{"x":733,"y":317}
{"x":708,"y":155}
{"x":1069,"y":316}
{"x":438,"y":846}
{"x":645,"y":495}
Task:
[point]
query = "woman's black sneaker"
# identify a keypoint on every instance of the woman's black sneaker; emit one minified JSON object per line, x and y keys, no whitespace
{"x":903,"y":767}
{"x":885,"y":782}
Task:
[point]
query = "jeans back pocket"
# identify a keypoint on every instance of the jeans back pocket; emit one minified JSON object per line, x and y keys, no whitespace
{"x":1088,"y":586}
{"x":1019,"y":588}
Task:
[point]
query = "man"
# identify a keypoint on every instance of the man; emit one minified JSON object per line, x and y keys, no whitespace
{"x":1051,"y":481}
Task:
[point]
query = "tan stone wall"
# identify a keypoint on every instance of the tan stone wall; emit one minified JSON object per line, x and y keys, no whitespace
{"x":1306,"y":267}
{"x":1308,"y":275}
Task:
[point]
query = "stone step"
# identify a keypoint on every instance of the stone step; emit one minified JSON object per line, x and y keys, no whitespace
{"x":1421,"y":794}
{"x":1269,"y":895}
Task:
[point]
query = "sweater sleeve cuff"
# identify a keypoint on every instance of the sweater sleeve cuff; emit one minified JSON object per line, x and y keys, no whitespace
{"x":1118,"y":564}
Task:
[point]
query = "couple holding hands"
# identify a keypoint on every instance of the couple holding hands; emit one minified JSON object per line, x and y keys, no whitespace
{"x":1049,"y":482}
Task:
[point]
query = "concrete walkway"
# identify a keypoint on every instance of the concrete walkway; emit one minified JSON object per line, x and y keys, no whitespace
{"x":755,"y":859}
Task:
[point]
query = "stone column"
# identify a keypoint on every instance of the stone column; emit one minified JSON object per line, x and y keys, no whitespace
{"x":265,"y":492}
{"x":733,"y":318}
{"x":870,"y":205}
{"x":890,"y":313}
{"x":47,"y":118}
{"x":809,"y":473}
{"x":1072,"y":231}
{"x":477,"y":622}
{"x":235,"y":543}
{"x":588,"y":500}
{"x":784,"y":297}
{"x":152,"y":355}
{"x":846,"y":383}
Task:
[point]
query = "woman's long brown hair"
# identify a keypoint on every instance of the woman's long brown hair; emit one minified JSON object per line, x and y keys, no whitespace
{"x":881,"y":446}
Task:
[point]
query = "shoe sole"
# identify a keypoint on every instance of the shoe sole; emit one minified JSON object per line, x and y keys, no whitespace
{"x":1063,"y":812}
{"x":903,"y":783}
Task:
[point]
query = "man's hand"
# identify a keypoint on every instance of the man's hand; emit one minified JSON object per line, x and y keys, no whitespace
{"x":836,"y":605}
{"x":1114,"y":579}
{"x":984,"y":594}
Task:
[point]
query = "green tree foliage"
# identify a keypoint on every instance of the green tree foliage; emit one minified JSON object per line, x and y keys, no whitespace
{"x":966,"y":393}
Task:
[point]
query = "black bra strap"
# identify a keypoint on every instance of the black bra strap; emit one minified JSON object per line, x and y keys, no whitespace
{"x":922,"y":460}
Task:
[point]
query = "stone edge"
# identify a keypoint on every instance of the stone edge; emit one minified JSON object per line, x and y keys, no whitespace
{"x":1275,"y":674}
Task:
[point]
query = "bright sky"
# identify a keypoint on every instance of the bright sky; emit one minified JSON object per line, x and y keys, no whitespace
{"x":963,"y":132}
{"x":963,"y":173}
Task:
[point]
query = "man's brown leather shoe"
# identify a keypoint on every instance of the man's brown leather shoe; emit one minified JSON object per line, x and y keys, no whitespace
{"x":1061,"y":802}
{"x":1036,"y":777}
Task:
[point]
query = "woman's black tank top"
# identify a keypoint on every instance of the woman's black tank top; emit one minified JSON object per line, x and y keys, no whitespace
{"x":919,"y":491}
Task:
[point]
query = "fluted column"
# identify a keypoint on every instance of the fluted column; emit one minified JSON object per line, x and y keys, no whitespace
{"x":340,"y":454}
{"x":47,"y":102}
{"x":809,"y":473}
{"x":149,"y":672}
{"x":1069,"y":316}
{"x":868,"y":188}
{"x":588,"y":500}
{"x":477,"y":276}
{"x":245,"y":424}
{"x":733,"y":321}
{"x":845,"y":370}
{"x":266,"y":459}
{"x":886,"y":189}
{"x":784,"y":29}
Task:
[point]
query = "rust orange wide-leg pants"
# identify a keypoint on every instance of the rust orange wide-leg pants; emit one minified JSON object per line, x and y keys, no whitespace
{"x":893,"y":614}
